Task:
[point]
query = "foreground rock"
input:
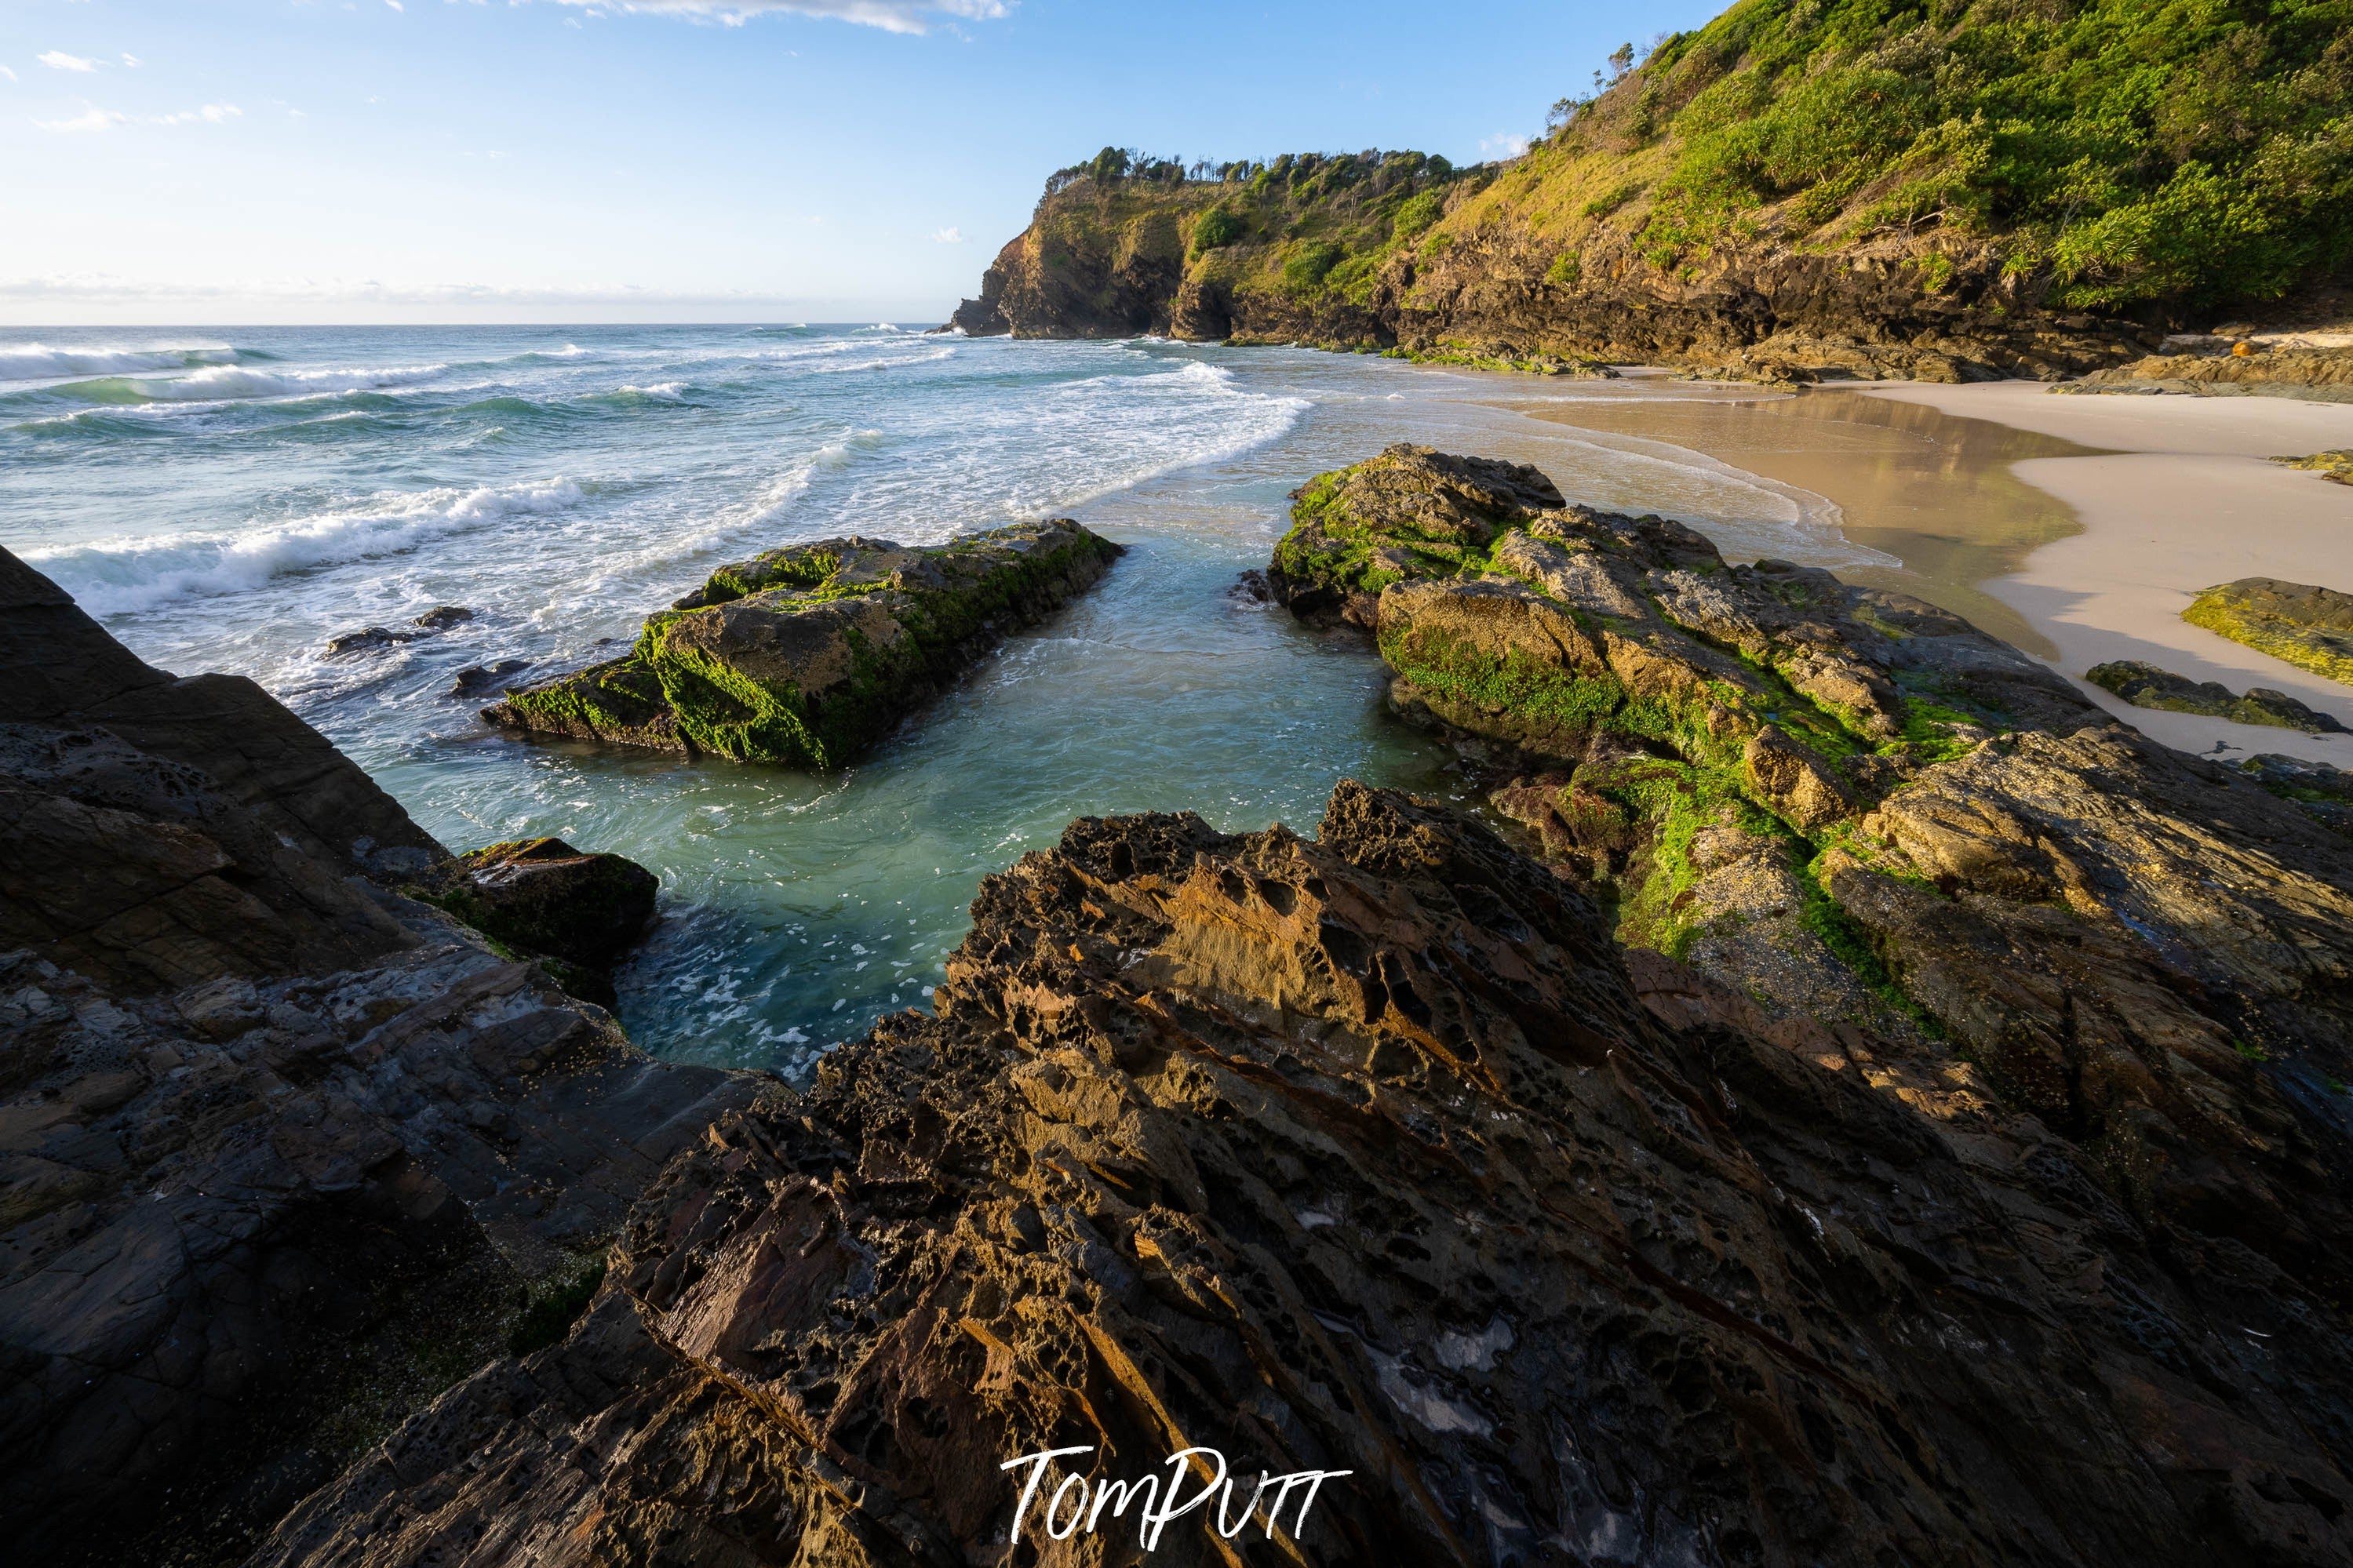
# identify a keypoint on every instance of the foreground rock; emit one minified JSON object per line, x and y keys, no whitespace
{"x":2147,"y":686}
{"x":2309,"y":627}
{"x":1369,"y":1154}
{"x":281,"y":1153}
{"x":811,"y":654}
{"x":1856,"y":808}
{"x":586,"y":912}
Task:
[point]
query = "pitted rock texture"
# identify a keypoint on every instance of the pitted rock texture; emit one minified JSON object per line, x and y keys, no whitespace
{"x":1855,"y":807}
{"x":811,"y":654}
{"x":1369,"y":1153}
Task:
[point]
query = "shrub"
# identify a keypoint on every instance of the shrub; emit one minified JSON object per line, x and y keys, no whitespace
{"x":1309,"y":263}
{"x":1416,"y":214}
{"x":1218,"y":227}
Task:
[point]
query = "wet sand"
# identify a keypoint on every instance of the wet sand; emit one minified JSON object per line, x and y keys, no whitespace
{"x":2076,"y":527}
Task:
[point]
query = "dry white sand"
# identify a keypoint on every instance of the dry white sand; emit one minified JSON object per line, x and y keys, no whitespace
{"x":2185,"y":500}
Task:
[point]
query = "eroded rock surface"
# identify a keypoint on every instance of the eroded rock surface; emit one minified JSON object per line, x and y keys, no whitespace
{"x":809,"y":654}
{"x":2147,"y":686}
{"x":1369,"y":1153}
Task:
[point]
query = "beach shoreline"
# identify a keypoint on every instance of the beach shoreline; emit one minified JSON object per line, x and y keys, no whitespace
{"x":2076,"y":528}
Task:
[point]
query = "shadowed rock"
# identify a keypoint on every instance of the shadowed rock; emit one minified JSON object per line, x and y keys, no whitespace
{"x":2147,"y":686}
{"x":1369,"y":1153}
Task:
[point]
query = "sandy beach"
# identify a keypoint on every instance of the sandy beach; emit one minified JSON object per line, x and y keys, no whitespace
{"x":2077,"y":527}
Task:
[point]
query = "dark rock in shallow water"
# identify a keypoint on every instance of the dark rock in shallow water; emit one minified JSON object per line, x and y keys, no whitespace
{"x":1371,"y":1153}
{"x":367,"y":640}
{"x":545,"y":897}
{"x":2147,"y":686}
{"x":808,"y":654}
{"x":480,"y":681}
{"x":441,"y":618}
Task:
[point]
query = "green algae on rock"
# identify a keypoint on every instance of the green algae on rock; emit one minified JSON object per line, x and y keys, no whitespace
{"x":2335,"y":467}
{"x":2311,"y":628}
{"x":2147,"y":686}
{"x":808,"y":655}
{"x":1853,"y":807}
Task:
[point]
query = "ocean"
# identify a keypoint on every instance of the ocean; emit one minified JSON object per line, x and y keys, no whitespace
{"x":231,"y":500}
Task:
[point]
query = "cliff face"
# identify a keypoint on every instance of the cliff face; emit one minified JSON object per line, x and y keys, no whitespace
{"x":280,"y":1151}
{"x":1942,"y":191}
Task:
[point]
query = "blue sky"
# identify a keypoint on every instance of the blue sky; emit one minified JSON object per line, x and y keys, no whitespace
{"x":217,"y":160}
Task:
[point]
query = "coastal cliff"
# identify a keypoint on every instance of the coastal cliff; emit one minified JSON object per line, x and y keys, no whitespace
{"x":1945,"y":192}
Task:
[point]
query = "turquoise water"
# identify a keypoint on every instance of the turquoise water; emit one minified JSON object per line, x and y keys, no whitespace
{"x":230,"y":502}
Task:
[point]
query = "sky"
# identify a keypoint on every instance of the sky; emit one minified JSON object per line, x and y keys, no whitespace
{"x":189,"y":162}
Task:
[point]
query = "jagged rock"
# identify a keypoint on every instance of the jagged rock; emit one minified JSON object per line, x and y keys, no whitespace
{"x":2321,"y":792}
{"x":1859,"y":806}
{"x":2316,"y":374}
{"x":2147,"y":686}
{"x":809,"y":654}
{"x":2311,"y":628}
{"x":480,"y":681}
{"x":443,"y":617}
{"x":1369,"y":1154}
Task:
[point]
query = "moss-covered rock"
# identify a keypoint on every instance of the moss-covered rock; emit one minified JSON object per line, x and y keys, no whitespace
{"x":2309,"y":627}
{"x":2336,"y":467}
{"x":809,"y":654}
{"x":2147,"y":686}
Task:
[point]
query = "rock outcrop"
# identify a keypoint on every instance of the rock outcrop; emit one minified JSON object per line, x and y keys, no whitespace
{"x":811,"y":654}
{"x":583,"y":913}
{"x":2335,"y":467}
{"x":1372,"y":1155}
{"x":1859,"y":807}
{"x":2147,"y":686}
{"x":2309,"y":627}
{"x":2316,"y":374}
{"x":282,"y":1153}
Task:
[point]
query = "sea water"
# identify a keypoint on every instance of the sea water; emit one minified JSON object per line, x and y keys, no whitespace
{"x":231,"y":501}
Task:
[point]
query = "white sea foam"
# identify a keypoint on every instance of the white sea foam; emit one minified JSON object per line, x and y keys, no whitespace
{"x":223,"y":384}
{"x":39,"y":361}
{"x":932,"y":357}
{"x":110,"y":576}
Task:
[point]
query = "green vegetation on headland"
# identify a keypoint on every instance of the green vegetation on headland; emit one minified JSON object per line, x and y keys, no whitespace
{"x":1931,"y":187}
{"x":808,"y":655}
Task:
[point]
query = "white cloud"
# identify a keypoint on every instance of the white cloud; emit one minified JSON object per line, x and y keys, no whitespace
{"x":949,"y":235}
{"x":211,"y":114}
{"x":1507,"y":143}
{"x":7,"y":72}
{"x":395,"y":4}
{"x":890,"y":15}
{"x":59,"y":60}
{"x":130,"y":61}
{"x":91,"y":118}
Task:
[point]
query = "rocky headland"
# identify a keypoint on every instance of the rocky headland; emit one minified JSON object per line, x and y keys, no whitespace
{"x":1787,"y":194}
{"x":809,"y":654}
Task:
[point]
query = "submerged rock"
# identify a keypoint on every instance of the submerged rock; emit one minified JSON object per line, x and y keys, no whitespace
{"x":442,"y":618}
{"x":480,"y":679}
{"x":2147,"y":686}
{"x":2311,"y":628}
{"x":811,"y":654}
{"x":1370,"y":1154}
{"x":367,"y":640}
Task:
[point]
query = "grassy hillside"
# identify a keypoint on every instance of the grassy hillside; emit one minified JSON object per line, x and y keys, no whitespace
{"x":2198,"y":151}
{"x":2004,"y":175}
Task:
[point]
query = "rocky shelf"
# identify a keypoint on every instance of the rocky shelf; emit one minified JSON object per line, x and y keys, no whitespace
{"x":811,"y":654}
{"x":2147,"y":686}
